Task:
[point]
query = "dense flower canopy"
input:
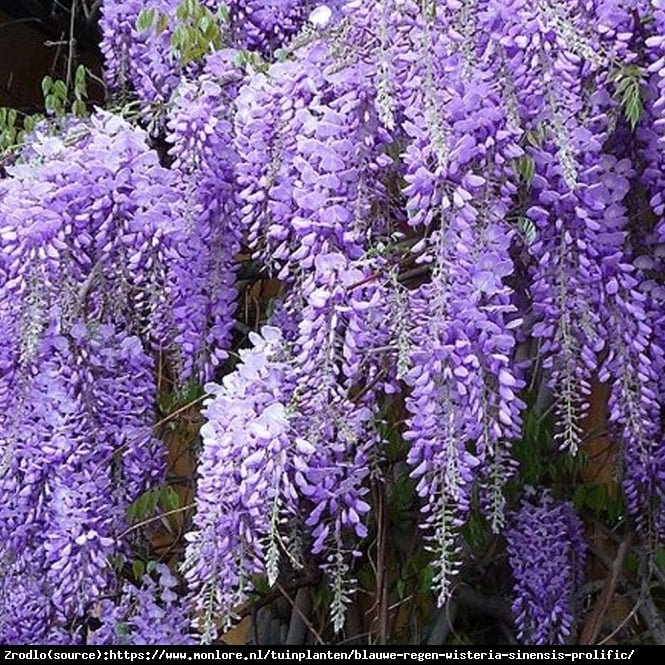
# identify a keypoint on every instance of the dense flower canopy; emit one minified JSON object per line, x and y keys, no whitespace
{"x":463,"y":204}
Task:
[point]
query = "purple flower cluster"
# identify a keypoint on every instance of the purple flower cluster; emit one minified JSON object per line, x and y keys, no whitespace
{"x":265,"y":26}
{"x":312,"y":159}
{"x":152,"y":613}
{"x":481,"y":114}
{"x":140,"y":60}
{"x":245,"y":485}
{"x":547,"y":552}
{"x":434,"y":184}
{"x":145,"y":60}
{"x":87,"y":220}
{"x":270,"y":447}
{"x":203,"y":267}
{"x":77,"y":449}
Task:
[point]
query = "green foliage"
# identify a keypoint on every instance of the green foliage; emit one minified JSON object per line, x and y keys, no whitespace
{"x":138,"y":568}
{"x":537,"y":136}
{"x":13,"y":128}
{"x":141,"y":568}
{"x":9,"y":129}
{"x":527,"y":230}
{"x":179,"y":398}
{"x":628,"y":81}
{"x":475,"y":531}
{"x":79,"y":104}
{"x":121,"y":629}
{"x":146,"y":19}
{"x":198,"y":30}
{"x":600,"y":499}
{"x":530,"y":449}
{"x":56,"y":95}
{"x":418,"y":573}
{"x":145,"y":506}
{"x":250,"y":60}
{"x":526,"y":168}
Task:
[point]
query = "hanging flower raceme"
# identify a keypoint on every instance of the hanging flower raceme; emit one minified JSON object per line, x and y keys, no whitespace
{"x":149,"y":46}
{"x":203,"y":269}
{"x":86,"y":220}
{"x":103,"y":231}
{"x":464,"y":400}
{"x":567,"y":124}
{"x":151,"y":613}
{"x":282,"y":432}
{"x":312,"y":158}
{"x":139,"y":57}
{"x":264,"y":26}
{"x":78,"y":450}
{"x":245,"y":485}
{"x":333,"y":413}
{"x":547,"y":553}
{"x":566,"y":306}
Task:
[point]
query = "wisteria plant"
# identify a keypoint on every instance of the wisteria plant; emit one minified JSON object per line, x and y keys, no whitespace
{"x":458,"y":211}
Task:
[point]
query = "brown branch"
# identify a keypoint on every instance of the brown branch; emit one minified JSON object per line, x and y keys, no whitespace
{"x":381,"y":564}
{"x":593,"y":625}
{"x":298,"y":608}
{"x":157,"y":518}
{"x":275,"y":593}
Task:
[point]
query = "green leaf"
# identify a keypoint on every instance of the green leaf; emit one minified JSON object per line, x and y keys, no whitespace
{"x":51,"y":103}
{"x":205,"y":23}
{"x":60,"y":90}
{"x":79,"y":77}
{"x":121,"y":629}
{"x":223,"y":13}
{"x":426,"y":579}
{"x":138,"y":568}
{"x":144,"y":506}
{"x":162,"y":23}
{"x":169,"y":499}
{"x":526,"y":168}
{"x":528,"y":229}
{"x":660,"y":558}
{"x":79,"y":108}
{"x":145,"y":19}
{"x":633,"y":110}
{"x":30,"y":122}
{"x":239,"y":59}
{"x":47,"y":84}
{"x":401,"y":588}
{"x":179,"y":37}
{"x":628,"y":79}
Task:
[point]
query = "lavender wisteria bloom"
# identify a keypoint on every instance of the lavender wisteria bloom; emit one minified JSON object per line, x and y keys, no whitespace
{"x":334,"y":415}
{"x":92,"y":224}
{"x":202,"y":267}
{"x":312,"y":159}
{"x":547,"y":552}
{"x":151,"y":613}
{"x":137,"y":59}
{"x":78,"y":448}
{"x":283,"y":432}
{"x":461,"y":203}
{"x":142,"y":47}
{"x":245,"y":485}
{"x":85,"y":218}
